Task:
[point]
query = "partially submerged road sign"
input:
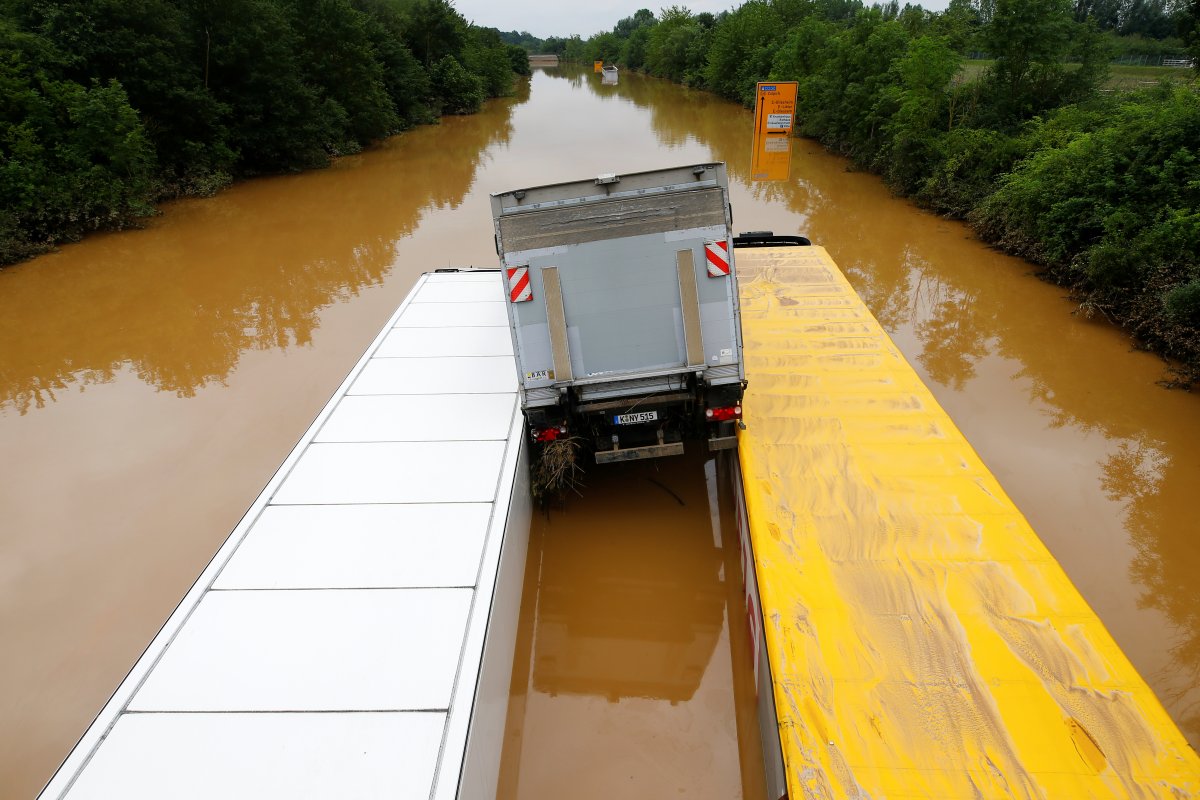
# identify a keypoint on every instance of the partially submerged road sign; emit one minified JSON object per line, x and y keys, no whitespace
{"x":774,"y":116}
{"x":775,"y":107}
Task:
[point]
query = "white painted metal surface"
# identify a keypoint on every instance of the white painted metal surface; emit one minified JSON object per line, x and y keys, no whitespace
{"x":394,"y":472}
{"x":437,"y":375}
{"x":302,"y":756}
{"x":410,"y":418}
{"x":353,"y":637}
{"x":360,"y":547}
{"x":439,"y":342}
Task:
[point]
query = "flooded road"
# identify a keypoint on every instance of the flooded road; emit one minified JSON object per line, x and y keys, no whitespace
{"x":151,"y":382}
{"x":633,"y":676}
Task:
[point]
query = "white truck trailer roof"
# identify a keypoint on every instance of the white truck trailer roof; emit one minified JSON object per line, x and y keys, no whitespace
{"x":353,"y":637}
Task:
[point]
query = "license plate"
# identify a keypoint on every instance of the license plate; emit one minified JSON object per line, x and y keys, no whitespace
{"x":634,"y":419}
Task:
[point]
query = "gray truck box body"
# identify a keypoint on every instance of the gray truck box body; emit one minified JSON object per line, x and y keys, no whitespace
{"x":620,"y":301}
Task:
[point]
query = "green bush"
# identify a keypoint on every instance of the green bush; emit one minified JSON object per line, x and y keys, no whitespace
{"x":743,"y":45}
{"x":459,"y":91}
{"x":518,"y":60}
{"x":145,"y":45}
{"x":487,"y":57}
{"x":1126,"y":181}
{"x":1183,"y":303}
{"x":969,"y":161}
{"x":338,"y":60}
{"x":914,"y":108}
{"x":72,"y":159}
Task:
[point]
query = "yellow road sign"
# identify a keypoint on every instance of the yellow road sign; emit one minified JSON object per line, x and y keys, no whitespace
{"x":774,"y":107}
{"x":597,"y":66}
{"x":774,"y":116}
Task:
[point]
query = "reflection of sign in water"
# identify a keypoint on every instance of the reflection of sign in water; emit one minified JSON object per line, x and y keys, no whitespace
{"x":597,"y":66}
{"x":774,"y":115}
{"x":772,"y":158}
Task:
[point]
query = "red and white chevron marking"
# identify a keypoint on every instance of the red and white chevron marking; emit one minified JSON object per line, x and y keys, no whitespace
{"x":717,"y":255}
{"x":519,"y":289}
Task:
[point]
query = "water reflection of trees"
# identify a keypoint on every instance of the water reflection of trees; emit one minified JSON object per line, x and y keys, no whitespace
{"x":946,"y":322}
{"x":178,"y":304}
{"x":1139,"y":475}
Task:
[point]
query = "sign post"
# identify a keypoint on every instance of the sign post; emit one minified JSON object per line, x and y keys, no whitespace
{"x":774,"y":118}
{"x":597,"y":66}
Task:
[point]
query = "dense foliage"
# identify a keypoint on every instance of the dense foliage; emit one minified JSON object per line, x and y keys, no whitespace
{"x":1100,"y":187}
{"x":110,"y":105}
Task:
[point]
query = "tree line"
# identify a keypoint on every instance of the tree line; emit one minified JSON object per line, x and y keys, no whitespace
{"x":109,"y":106}
{"x":1099,"y":187}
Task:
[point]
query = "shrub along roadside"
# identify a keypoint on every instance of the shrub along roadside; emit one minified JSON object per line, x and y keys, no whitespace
{"x":1112,"y":208}
{"x":112,"y":105}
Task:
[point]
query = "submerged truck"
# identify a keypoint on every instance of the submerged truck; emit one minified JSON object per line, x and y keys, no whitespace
{"x":623,"y":304}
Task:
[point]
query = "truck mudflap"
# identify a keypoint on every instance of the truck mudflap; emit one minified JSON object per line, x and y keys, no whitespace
{"x":635,"y":453}
{"x":722,"y":434}
{"x":723,"y":443}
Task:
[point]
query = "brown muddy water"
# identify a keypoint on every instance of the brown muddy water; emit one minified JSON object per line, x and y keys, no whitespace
{"x":151,"y":381}
{"x":634,"y":676}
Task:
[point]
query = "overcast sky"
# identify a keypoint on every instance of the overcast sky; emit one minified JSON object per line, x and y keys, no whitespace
{"x":545,"y":18}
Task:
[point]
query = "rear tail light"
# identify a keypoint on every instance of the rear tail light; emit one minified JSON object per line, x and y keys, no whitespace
{"x":549,"y":434}
{"x":723,"y":414}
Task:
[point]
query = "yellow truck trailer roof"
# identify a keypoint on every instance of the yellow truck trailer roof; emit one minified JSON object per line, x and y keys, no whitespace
{"x":922,"y":640}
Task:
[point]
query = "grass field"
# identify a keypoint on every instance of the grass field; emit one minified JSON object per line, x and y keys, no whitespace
{"x":1123,"y":77}
{"x":1120,"y":77}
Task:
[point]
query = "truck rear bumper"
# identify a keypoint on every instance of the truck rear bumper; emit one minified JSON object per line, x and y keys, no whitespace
{"x":635,"y":453}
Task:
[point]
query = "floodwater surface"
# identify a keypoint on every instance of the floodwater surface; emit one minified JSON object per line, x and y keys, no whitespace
{"x":633,"y":675}
{"x":151,"y":381}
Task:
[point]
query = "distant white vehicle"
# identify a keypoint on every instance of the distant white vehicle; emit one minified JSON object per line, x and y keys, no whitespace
{"x":609,"y":75}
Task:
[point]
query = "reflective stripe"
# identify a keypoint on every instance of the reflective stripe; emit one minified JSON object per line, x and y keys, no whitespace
{"x":717,"y":255}
{"x":519,"y":289}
